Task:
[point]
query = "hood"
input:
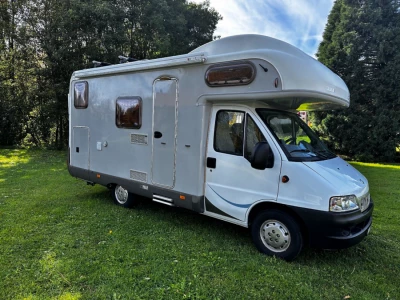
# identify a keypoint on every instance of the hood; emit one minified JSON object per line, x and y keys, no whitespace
{"x":345,"y":179}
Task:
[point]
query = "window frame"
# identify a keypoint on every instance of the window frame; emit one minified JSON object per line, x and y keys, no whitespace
{"x":215,"y":130}
{"x":305,"y":127}
{"x":85,"y":95}
{"x":227,"y":66}
{"x":118,"y":117}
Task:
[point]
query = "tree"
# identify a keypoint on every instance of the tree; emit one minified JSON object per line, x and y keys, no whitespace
{"x":42,"y":42}
{"x":159,"y":28}
{"x":360,"y":43}
{"x":16,"y":85}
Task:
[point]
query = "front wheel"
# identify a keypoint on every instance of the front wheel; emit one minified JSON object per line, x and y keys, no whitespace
{"x":122,"y":197}
{"x":277,"y":234}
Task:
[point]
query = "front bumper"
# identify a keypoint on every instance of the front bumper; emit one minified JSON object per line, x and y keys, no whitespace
{"x":330,"y":230}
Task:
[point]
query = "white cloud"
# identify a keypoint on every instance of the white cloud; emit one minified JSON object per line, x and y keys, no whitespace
{"x":298,"y":22}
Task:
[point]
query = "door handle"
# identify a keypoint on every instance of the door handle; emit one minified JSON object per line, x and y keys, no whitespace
{"x":157,"y":134}
{"x":211,"y":162}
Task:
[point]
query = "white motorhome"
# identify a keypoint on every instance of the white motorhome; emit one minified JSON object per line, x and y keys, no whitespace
{"x":216,"y":131}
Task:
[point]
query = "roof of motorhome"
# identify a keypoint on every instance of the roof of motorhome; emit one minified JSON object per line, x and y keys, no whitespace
{"x":306,"y":83}
{"x":299,"y":71}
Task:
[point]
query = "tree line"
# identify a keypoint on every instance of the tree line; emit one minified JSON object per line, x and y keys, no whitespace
{"x":42,"y":42}
{"x":361,"y":43}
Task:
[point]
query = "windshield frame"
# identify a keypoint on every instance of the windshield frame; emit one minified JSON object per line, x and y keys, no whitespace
{"x":323,"y":153}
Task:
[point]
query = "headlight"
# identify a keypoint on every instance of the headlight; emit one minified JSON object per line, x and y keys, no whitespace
{"x":343,"y":203}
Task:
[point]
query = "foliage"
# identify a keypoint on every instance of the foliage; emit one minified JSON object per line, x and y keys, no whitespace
{"x":360,"y":44}
{"x":43,"y":42}
{"x":63,"y":239}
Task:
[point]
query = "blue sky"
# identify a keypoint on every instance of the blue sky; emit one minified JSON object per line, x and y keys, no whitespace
{"x":298,"y":22}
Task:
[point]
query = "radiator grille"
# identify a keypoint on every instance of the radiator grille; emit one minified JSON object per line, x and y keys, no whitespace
{"x":138,"y":176}
{"x":139,"y":139}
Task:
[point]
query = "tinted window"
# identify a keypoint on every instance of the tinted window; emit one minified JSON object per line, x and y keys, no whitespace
{"x":230,"y":74}
{"x":81,"y":94}
{"x":128,"y":112}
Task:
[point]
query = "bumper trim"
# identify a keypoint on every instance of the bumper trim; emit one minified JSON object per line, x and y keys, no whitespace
{"x":330,"y":230}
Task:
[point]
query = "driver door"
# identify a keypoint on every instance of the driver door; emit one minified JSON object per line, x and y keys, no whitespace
{"x":232,"y":185}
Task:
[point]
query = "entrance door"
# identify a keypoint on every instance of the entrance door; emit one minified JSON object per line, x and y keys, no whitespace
{"x":165,"y":104}
{"x":232,"y":185}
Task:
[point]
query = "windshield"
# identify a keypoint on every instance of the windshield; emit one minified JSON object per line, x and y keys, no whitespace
{"x":297,"y":140}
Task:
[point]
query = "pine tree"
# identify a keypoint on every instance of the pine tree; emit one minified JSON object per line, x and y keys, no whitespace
{"x":361,"y":44}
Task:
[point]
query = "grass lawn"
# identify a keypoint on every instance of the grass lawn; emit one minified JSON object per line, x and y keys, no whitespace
{"x":62,"y":239}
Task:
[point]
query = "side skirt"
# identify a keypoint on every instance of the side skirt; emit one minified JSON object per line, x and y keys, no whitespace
{"x":157,"y":194}
{"x":226,"y":219}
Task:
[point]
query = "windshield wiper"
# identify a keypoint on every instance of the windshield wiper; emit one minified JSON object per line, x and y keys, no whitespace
{"x":323,"y":153}
{"x":300,"y":150}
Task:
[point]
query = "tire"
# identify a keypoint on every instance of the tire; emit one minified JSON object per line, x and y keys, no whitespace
{"x":122,"y":197}
{"x":284,"y":240}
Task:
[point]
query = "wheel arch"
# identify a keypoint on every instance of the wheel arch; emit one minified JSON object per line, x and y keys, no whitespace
{"x":267,"y":205}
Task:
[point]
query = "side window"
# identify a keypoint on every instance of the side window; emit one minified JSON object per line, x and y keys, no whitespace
{"x":253,"y":136}
{"x":128,"y":112}
{"x":228,"y":137}
{"x":81,"y":94}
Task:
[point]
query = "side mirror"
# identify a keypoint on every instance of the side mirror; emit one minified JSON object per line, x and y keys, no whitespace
{"x":262,"y":156}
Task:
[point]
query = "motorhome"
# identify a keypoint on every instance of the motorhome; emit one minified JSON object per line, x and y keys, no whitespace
{"x":216,"y":131}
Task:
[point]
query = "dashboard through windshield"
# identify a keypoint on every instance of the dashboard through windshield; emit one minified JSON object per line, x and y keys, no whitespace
{"x":296,"y":139}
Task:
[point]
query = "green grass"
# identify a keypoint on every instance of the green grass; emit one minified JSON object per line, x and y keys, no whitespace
{"x":62,"y":239}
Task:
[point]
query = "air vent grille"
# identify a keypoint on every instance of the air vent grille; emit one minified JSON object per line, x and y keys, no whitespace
{"x":140,"y":139}
{"x":138,"y":176}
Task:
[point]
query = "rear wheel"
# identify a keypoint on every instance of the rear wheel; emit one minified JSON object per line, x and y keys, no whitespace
{"x":122,"y":197}
{"x":277,"y":234}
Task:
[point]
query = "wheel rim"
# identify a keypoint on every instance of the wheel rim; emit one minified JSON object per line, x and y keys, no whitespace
{"x":121,"y":194}
{"x":275,"y":235}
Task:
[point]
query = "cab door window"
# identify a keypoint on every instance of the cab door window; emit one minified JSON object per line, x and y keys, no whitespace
{"x":229,"y":132}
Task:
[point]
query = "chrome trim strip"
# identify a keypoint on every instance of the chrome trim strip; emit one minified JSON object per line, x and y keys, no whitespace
{"x":162,"y":202}
{"x":158,"y":197}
